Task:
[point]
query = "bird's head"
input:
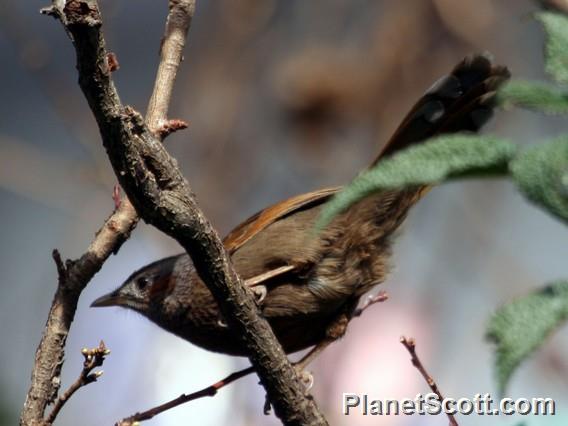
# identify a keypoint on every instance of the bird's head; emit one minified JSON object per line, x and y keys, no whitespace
{"x":150,"y":288}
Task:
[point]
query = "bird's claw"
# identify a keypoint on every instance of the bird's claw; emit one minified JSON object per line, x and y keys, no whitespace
{"x":306,"y":378}
{"x":259,"y":292}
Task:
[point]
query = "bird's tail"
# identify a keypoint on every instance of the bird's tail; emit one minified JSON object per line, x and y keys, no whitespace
{"x":460,"y":101}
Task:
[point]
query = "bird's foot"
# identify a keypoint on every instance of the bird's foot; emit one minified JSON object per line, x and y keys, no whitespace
{"x":306,"y":378}
{"x":259,"y":292}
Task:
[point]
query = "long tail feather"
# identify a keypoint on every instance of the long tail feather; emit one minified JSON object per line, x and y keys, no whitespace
{"x":460,"y":101}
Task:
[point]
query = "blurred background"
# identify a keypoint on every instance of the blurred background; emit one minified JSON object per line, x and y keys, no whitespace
{"x":282,"y":97}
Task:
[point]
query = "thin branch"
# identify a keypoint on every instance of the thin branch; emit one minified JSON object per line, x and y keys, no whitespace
{"x":73,"y":278}
{"x":45,"y":380}
{"x":410,"y":346}
{"x":170,"y":126}
{"x":381,"y":296}
{"x":177,"y":25}
{"x":112,"y":61}
{"x":182,"y":399}
{"x":93,"y":358}
{"x":162,"y":196}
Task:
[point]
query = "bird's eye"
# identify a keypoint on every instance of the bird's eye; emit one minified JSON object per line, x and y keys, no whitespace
{"x":142,"y":282}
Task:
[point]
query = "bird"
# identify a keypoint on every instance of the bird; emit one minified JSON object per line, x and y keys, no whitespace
{"x":308,"y":284}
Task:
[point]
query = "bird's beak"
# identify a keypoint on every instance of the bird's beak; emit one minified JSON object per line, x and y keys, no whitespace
{"x":110,"y":299}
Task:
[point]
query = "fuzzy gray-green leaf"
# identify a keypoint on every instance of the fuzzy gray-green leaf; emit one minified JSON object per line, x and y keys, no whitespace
{"x":431,"y":162}
{"x":535,"y":96}
{"x":541,"y":172}
{"x":556,"y":50}
{"x":521,"y":326}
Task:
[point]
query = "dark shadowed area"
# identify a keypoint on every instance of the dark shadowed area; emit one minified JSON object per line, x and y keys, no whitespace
{"x":282,"y":97}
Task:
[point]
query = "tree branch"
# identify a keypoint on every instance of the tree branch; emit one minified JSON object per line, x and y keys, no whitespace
{"x":182,"y":399}
{"x":163,"y":197}
{"x":93,"y":358}
{"x":410,"y":346}
{"x":171,"y":51}
{"x":74,"y":277}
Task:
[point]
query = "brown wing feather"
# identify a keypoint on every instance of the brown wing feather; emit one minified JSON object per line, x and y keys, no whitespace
{"x":460,"y":101}
{"x":259,"y":221}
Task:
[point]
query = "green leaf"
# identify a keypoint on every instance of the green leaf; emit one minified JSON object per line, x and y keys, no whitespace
{"x":556,"y":49}
{"x":535,"y":96}
{"x":541,"y":173}
{"x":431,"y":162}
{"x":520,"y":327}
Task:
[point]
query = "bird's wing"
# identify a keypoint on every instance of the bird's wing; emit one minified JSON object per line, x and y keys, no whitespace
{"x":261,"y":220}
{"x":463,"y":100}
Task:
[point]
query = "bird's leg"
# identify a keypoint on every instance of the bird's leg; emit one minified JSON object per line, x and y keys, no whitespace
{"x":312,"y":354}
{"x":336,"y":330}
{"x":305,"y":376}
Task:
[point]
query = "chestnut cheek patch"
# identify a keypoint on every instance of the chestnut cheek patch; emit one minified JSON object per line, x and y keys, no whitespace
{"x":160,"y":286}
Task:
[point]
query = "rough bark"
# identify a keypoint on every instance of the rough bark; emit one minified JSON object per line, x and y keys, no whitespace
{"x":163,"y":198}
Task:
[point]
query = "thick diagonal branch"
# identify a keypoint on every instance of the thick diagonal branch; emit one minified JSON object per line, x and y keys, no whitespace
{"x":163,"y":197}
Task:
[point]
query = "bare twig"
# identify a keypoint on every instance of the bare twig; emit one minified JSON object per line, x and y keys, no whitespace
{"x":160,"y":193}
{"x":112,"y":61}
{"x":410,"y":346}
{"x":177,"y":25}
{"x":74,"y":278}
{"x":170,"y":126}
{"x":380,"y":297}
{"x":93,"y":358}
{"x":182,"y":399}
